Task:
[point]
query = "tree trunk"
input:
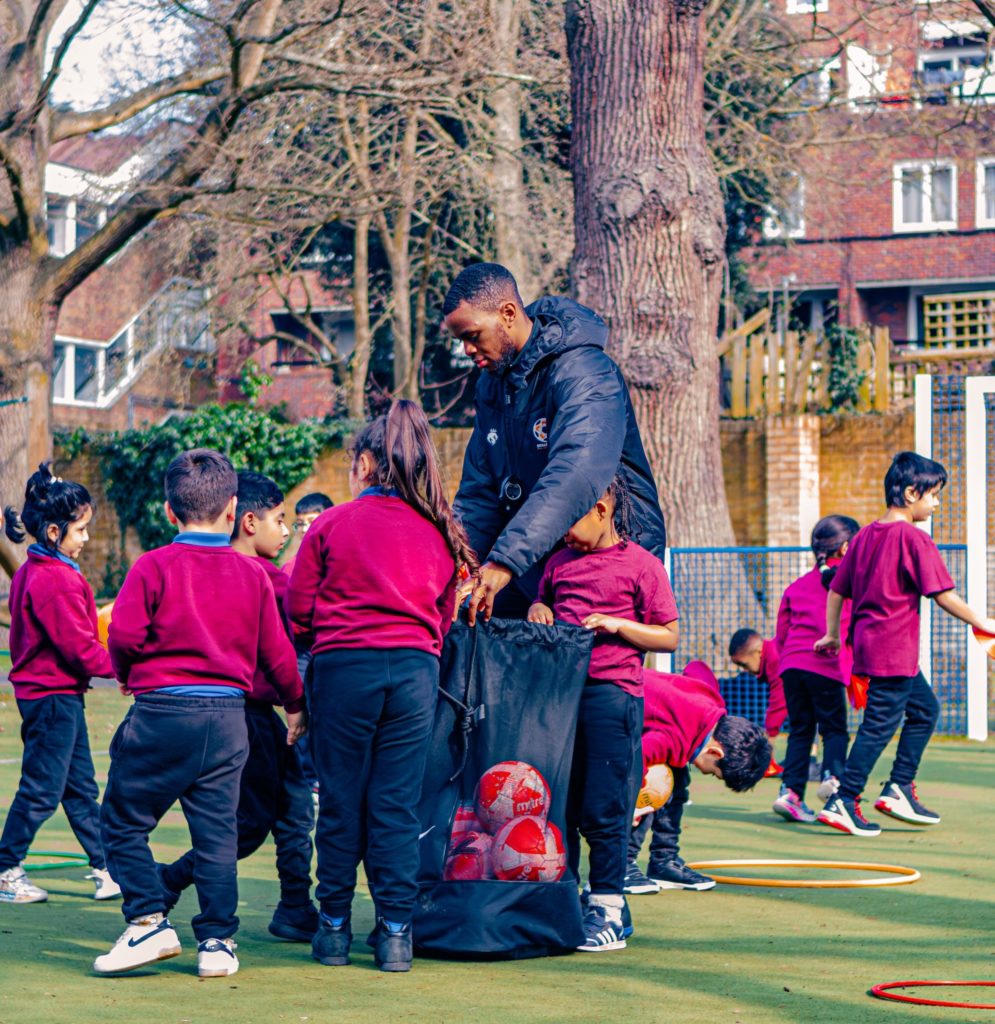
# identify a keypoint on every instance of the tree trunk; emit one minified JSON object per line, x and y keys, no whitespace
{"x":361,"y":317}
{"x":508,"y":203}
{"x":650,"y":235}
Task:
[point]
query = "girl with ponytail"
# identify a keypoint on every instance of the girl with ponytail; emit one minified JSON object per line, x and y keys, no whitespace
{"x":54,"y":652}
{"x":814,"y":682}
{"x":374,"y":588}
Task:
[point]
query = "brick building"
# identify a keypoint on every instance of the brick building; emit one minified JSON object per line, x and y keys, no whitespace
{"x":894,"y":223}
{"x":134,"y":343}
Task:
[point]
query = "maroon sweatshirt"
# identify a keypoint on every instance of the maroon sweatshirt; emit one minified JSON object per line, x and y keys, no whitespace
{"x":373,"y":573}
{"x":53,"y":630}
{"x":679,"y":715}
{"x":194,"y":615}
{"x":262,"y":688}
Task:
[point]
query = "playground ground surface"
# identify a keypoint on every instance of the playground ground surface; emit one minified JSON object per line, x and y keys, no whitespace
{"x":749,"y":955}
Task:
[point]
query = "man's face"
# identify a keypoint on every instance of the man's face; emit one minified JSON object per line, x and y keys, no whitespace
{"x":485,"y":335}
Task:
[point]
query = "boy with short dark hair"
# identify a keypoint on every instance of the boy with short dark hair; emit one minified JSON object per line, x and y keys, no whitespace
{"x":749,"y":650}
{"x":887,"y":568}
{"x":191,"y":625}
{"x":274,"y":796}
{"x":686,"y":723}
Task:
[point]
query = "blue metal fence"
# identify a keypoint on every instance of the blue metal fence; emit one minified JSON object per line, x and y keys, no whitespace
{"x":722,"y":589}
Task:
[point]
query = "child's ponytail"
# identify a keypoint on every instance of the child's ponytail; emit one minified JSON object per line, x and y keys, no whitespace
{"x":625,"y":523}
{"x":828,"y":536}
{"x":405,"y":460}
{"x":48,"y":501}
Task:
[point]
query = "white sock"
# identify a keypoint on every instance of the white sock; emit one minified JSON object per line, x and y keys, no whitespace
{"x":611,"y":904}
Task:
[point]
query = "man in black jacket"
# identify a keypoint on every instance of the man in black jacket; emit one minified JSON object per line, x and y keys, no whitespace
{"x":553,"y":425}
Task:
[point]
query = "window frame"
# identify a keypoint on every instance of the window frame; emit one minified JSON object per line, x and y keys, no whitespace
{"x":899,"y":227}
{"x":773,"y":226}
{"x":981,"y":165}
{"x":806,"y":6}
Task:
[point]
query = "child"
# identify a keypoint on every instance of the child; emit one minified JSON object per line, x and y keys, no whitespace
{"x":813,"y":681}
{"x":686,"y":724}
{"x":750,"y":651}
{"x":375,"y":584}
{"x":887,"y":568}
{"x":603,"y":581}
{"x":54,"y":653}
{"x":306,"y":511}
{"x":191,"y":625}
{"x":274,"y":796}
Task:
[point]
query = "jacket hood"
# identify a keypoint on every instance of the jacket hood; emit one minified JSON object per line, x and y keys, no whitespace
{"x":559,"y":324}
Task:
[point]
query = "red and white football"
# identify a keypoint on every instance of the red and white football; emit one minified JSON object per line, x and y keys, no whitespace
{"x":510,"y":789}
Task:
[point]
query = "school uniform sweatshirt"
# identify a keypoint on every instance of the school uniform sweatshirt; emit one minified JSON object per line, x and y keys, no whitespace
{"x":679,"y":714}
{"x":801,"y":621}
{"x":262,"y":689}
{"x":373,"y":574}
{"x":53,"y":630}
{"x":197,"y":614}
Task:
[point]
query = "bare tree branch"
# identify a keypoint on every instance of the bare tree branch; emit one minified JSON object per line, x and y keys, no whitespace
{"x":59,"y":56}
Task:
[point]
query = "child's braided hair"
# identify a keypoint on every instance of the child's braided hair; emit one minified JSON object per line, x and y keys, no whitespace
{"x":625,"y":526}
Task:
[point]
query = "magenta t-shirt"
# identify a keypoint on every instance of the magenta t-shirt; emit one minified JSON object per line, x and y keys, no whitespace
{"x":801,"y":621}
{"x":886,"y":569}
{"x":624,"y":581}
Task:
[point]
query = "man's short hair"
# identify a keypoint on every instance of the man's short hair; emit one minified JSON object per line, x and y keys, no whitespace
{"x":256,"y":493}
{"x":740,"y":639}
{"x":316,"y":502}
{"x":199,"y":483}
{"x":746,"y":752}
{"x":911,"y":470}
{"x":485,"y":285}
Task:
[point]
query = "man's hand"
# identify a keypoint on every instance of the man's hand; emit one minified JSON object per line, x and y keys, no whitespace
{"x":489,"y":581}
{"x":541,"y":613}
{"x":829,"y":644}
{"x":296,"y":726}
{"x":604,"y":623}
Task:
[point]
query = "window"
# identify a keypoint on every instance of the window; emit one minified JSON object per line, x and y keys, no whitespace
{"x":952,"y":62}
{"x":787,"y":219}
{"x":807,"y":6}
{"x":61,"y":225}
{"x":77,"y":372}
{"x":985,"y":192}
{"x":959,"y":320}
{"x":820,"y":84}
{"x":924,"y":197}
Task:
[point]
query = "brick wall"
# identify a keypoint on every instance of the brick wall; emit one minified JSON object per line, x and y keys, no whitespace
{"x":744,"y":469}
{"x":792,"y":478}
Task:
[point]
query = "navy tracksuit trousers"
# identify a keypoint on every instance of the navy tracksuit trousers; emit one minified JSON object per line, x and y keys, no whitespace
{"x":889,"y":700}
{"x":274,"y":797}
{"x":170,"y":748}
{"x":371,"y":724}
{"x":665,"y":844}
{"x":814,"y":702}
{"x":604,"y":783}
{"x":56,"y":767}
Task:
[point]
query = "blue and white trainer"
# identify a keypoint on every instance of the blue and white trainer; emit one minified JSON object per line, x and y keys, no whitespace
{"x":846,"y":815}
{"x":216,"y":958}
{"x":600,"y":934}
{"x":144,"y":941}
{"x":902,"y":802}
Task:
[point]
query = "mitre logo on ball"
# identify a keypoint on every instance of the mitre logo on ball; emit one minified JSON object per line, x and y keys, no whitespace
{"x":528,"y":850}
{"x":510,"y":789}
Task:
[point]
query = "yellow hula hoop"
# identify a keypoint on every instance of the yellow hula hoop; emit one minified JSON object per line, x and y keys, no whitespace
{"x":899,"y":875}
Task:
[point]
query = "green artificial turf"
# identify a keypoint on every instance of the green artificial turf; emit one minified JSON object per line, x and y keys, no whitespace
{"x":751,"y":955}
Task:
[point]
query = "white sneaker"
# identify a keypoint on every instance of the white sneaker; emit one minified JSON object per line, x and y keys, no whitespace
{"x":15,"y":888}
{"x":828,"y":788}
{"x":216,"y":958}
{"x":106,"y":887}
{"x":144,"y":941}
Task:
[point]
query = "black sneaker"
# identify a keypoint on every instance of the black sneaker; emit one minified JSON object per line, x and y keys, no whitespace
{"x":902,"y":802}
{"x":295,"y":924}
{"x":675,"y":874}
{"x":599,"y":935}
{"x":637,"y":884}
{"x":392,"y":951}
{"x":330,"y":945}
{"x":846,"y":815}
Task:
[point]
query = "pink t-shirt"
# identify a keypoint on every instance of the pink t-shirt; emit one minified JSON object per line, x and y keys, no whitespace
{"x":624,"y":581}
{"x":801,"y":620}
{"x":886,"y":569}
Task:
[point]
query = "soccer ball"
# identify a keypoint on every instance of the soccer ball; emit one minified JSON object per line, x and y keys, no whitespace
{"x":469,"y":858}
{"x":658,"y":785}
{"x":510,"y":789}
{"x":526,"y":849}
{"x":465,"y":820}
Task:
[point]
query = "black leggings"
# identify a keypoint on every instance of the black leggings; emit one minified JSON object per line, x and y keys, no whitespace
{"x":814,"y":701}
